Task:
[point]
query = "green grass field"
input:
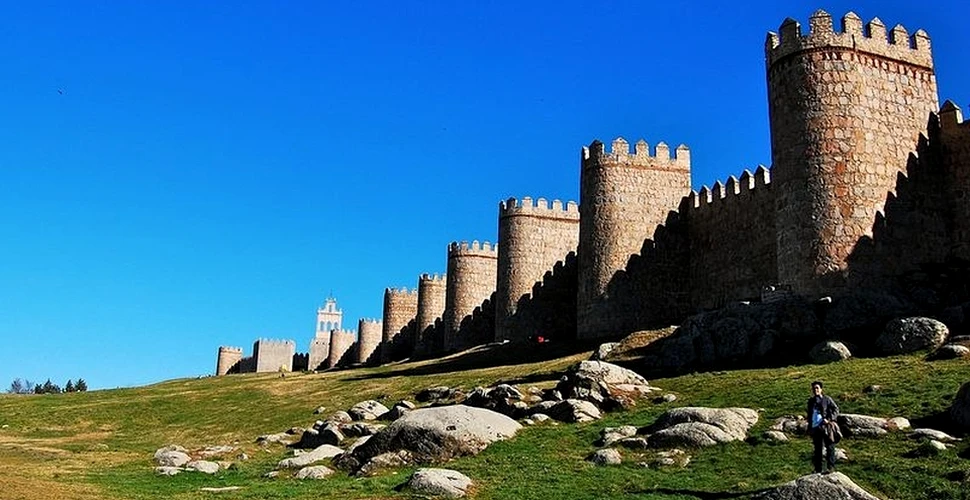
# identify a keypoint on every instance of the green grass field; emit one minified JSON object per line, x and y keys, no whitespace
{"x":100,"y":444}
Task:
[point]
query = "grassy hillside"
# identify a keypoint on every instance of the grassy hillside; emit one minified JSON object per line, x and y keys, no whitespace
{"x":99,"y":444}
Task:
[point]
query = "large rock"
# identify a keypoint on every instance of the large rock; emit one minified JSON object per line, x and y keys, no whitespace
{"x":604,"y":384}
{"x":314,"y":472}
{"x":573,"y":410}
{"x":862,"y":425}
{"x":925,"y":433}
{"x":960,"y":408}
{"x":608,"y":456}
{"x":829,"y":352}
{"x":436,"y":393}
{"x":501,"y":399}
{"x":367,"y":410}
{"x":172,"y":456}
{"x":203,"y":466}
{"x":439,"y":483}
{"x":906,"y":335}
{"x":738,"y":335}
{"x":435,"y":435}
{"x":834,"y":486}
{"x":320,"y":453}
{"x":694,"y":426}
{"x":952,"y":351}
{"x":603,"y":351}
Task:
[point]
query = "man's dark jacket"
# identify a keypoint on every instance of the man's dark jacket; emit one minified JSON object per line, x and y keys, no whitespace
{"x":828,"y":409}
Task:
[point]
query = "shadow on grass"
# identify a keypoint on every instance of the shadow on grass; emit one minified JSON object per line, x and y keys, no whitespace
{"x":703,"y":495}
{"x":940,"y":421}
{"x":489,"y":357}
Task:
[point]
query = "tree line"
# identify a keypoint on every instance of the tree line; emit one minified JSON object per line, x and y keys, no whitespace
{"x":23,"y":386}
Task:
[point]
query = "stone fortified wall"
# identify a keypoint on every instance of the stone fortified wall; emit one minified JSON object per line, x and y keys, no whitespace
{"x":846,"y":108}
{"x":431,"y":305}
{"x":531,"y":239}
{"x":732,"y":240}
{"x":624,"y":196}
{"x":549,"y":311}
{"x":954,"y":140}
{"x":369,"y":332}
{"x":341,"y":342}
{"x":274,"y":355}
{"x":229,"y":357}
{"x":471,"y":280}
{"x":400,"y":311}
{"x":319,"y":351}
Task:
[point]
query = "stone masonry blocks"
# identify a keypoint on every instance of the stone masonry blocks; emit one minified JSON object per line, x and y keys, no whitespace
{"x":624,"y":196}
{"x":471,"y":279}
{"x":531,"y":239}
{"x":846,"y":109}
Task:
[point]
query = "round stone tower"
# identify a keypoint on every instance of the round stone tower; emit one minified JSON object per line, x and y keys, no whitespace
{"x":400,"y":309}
{"x":846,"y":108}
{"x":341,"y":341}
{"x":471,"y":280}
{"x":624,"y":196}
{"x":431,"y":305}
{"x":368,"y":339}
{"x":228,"y":358}
{"x":531,"y":239}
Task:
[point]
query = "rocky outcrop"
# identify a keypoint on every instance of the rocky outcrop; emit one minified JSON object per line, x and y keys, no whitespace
{"x":696,"y":427}
{"x":604,"y":384}
{"x":834,"y":486}
{"x":952,"y":351}
{"x":573,"y":411}
{"x":603,"y":351}
{"x":439,"y":483}
{"x":906,"y":335}
{"x":367,"y":410}
{"x":435,"y":435}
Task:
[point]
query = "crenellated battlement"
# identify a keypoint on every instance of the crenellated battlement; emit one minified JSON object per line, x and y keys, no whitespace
{"x":871,"y":38}
{"x":540,"y":208}
{"x":230,"y":349}
{"x":733,"y":188}
{"x":370,"y":321}
{"x":951,"y":117}
{"x":345,"y":332}
{"x":436,"y":278}
{"x":595,"y":155}
{"x":274,"y":342}
{"x":464,"y":248}
{"x":401,"y":292}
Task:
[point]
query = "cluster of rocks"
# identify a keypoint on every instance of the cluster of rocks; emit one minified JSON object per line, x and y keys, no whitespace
{"x":901,"y":336}
{"x":174,"y":459}
{"x":675,"y":429}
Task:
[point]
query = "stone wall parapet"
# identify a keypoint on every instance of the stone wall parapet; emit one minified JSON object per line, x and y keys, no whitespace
{"x":476,"y":249}
{"x":596,"y":156}
{"x":734,"y":187}
{"x":538,"y":208}
{"x":873,"y":39}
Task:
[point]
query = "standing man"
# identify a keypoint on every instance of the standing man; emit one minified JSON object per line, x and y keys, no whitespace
{"x":822,"y":414}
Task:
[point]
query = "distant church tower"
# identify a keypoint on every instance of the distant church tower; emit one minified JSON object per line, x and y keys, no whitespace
{"x":328,"y":319}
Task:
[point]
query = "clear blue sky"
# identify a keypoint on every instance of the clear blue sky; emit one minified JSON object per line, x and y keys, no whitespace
{"x":175,"y":176}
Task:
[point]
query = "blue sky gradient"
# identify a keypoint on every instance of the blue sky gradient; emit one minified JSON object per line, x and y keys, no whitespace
{"x":175,"y":176}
